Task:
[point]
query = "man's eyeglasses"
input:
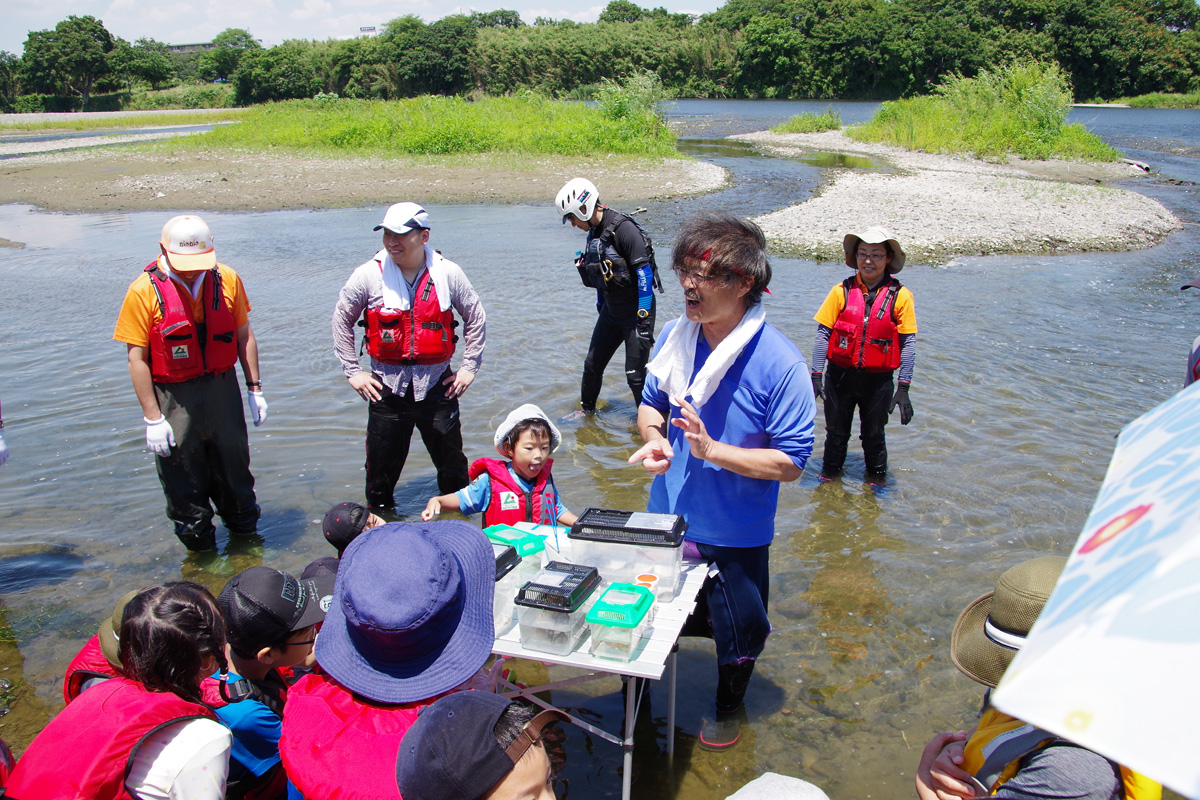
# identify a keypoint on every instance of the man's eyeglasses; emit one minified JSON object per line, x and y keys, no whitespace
{"x":698,"y":276}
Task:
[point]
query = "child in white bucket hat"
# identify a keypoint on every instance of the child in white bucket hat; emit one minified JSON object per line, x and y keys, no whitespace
{"x":518,"y":489}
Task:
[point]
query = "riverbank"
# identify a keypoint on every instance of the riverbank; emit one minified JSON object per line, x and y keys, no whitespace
{"x":943,"y":206}
{"x":152,"y":179}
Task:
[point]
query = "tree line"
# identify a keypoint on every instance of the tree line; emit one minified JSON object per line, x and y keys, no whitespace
{"x":847,"y":49}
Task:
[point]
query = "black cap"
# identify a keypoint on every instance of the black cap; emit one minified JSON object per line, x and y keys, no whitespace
{"x":1193,"y":284}
{"x":263,"y":606}
{"x":326,"y":565}
{"x":451,"y":752}
{"x":343,"y":523}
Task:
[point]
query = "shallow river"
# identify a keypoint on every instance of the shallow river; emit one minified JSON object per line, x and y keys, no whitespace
{"x":1027,"y":368}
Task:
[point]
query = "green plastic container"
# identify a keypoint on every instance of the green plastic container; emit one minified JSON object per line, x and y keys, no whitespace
{"x":527,"y":543}
{"x":619,"y":619}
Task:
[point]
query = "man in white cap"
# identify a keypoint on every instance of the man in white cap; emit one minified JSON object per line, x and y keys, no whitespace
{"x":185,"y":323}
{"x":867,"y":329}
{"x":406,"y":295}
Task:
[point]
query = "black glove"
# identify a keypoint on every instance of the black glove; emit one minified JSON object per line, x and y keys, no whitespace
{"x":901,"y":399}
{"x":818,"y":389}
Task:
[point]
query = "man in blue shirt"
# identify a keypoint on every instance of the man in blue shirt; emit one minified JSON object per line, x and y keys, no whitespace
{"x":739,"y":401}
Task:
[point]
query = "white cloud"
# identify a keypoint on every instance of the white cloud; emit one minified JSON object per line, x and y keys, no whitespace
{"x":311,"y":9}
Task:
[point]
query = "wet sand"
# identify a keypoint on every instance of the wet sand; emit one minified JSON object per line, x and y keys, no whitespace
{"x":943,"y":206}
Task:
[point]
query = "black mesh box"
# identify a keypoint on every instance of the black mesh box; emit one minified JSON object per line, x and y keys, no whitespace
{"x":506,"y":559}
{"x":629,"y":527}
{"x":559,"y":587}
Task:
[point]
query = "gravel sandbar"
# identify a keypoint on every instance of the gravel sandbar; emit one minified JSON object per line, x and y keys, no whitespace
{"x":944,"y":206}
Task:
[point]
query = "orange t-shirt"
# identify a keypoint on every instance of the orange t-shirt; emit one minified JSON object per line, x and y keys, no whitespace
{"x":140,"y":311}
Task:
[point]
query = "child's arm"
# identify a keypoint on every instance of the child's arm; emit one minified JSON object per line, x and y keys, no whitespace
{"x":566,"y":518}
{"x":436,"y":504}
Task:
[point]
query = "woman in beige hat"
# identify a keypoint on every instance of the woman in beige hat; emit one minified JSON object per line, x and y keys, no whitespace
{"x":866,"y":329}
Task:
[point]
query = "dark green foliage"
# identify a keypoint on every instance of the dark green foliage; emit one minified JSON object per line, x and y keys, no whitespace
{"x":69,"y":59}
{"x":145,"y":60}
{"x":281,"y":73}
{"x":221,"y":62}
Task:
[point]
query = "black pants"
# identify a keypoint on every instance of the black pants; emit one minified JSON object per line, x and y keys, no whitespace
{"x":732,"y":606}
{"x":607,"y":336}
{"x":872,"y":393}
{"x":210,"y":460}
{"x":390,"y":423}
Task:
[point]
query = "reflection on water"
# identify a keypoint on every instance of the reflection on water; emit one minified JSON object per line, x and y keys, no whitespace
{"x":1026,"y":369}
{"x":844,"y":160}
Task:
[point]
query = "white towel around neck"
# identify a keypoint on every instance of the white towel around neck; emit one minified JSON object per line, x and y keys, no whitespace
{"x":673,"y":363}
{"x":395,"y":288}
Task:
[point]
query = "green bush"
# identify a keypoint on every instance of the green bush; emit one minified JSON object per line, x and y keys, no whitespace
{"x":808,"y":122}
{"x":527,"y":124}
{"x":1019,"y":109}
{"x":1160,"y":100}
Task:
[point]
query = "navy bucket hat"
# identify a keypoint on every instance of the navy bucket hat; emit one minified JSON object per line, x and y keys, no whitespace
{"x":411,"y":616}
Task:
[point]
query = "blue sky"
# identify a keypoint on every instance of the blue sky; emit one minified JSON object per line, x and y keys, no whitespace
{"x":272,"y":21}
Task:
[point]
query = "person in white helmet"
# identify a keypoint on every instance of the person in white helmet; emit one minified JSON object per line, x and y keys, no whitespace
{"x":185,"y":324}
{"x":618,"y":262}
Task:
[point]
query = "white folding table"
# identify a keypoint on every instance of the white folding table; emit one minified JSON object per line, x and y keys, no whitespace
{"x":656,"y":654}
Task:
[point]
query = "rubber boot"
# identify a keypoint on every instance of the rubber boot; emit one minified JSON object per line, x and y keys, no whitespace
{"x":724,"y":731}
{"x":197,"y":536}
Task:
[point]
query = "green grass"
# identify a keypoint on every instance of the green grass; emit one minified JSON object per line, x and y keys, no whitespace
{"x":117,"y":120}
{"x":527,"y":124}
{"x":210,"y":95}
{"x":1160,"y":100}
{"x":1020,"y":110}
{"x":808,"y":122}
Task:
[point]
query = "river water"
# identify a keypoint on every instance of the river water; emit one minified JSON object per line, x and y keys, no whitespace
{"x":1027,"y":368}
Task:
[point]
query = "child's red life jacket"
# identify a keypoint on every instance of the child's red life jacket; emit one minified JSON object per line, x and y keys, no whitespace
{"x":182,"y":349}
{"x":87,"y":664}
{"x":866,"y":338}
{"x":509,"y":502}
{"x":85,"y":750}
{"x":337,"y":745}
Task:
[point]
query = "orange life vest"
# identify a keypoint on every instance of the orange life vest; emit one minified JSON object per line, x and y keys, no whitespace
{"x":422,"y":334}
{"x":867,"y":338}
{"x":182,"y":349}
{"x":995,"y":750}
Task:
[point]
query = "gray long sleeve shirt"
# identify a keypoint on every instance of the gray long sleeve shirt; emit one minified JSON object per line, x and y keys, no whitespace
{"x":365,"y":290}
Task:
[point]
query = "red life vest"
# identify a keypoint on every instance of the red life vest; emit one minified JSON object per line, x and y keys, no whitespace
{"x":422,"y":334}
{"x":509,"y":502}
{"x":88,"y":663}
{"x":337,"y":745}
{"x":85,"y":751}
{"x":181,"y":349}
{"x":867,"y":338}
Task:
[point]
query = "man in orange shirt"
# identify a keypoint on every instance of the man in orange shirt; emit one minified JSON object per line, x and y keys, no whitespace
{"x":185,"y":322}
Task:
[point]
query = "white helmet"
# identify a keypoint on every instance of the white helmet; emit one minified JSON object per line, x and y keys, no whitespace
{"x":578,"y":197}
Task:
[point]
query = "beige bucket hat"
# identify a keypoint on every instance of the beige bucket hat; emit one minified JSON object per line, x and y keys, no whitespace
{"x":991,"y":630}
{"x":873,"y":235}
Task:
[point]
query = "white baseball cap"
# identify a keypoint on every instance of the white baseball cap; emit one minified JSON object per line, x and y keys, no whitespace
{"x":187,"y":243}
{"x":403,"y":217}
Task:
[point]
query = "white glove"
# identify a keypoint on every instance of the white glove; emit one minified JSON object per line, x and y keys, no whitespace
{"x":159,"y":436}
{"x":3,"y":450}
{"x":258,"y":407}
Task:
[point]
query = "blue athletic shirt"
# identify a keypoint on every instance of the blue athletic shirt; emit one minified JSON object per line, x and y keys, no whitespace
{"x":256,"y":731}
{"x":765,"y":400}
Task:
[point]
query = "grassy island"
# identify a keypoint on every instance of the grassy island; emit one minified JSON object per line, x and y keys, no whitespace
{"x":1018,"y":110}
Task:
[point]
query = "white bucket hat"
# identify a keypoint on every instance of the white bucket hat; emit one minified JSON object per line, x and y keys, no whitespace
{"x":520,"y":414}
{"x":187,"y":244}
{"x":873,"y":235}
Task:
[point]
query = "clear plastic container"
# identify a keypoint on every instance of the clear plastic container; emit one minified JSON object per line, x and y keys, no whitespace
{"x":619,"y":620}
{"x":552,"y":608}
{"x":503,"y":613}
{"x":623,"y":563}
{"x":554,"y":632}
